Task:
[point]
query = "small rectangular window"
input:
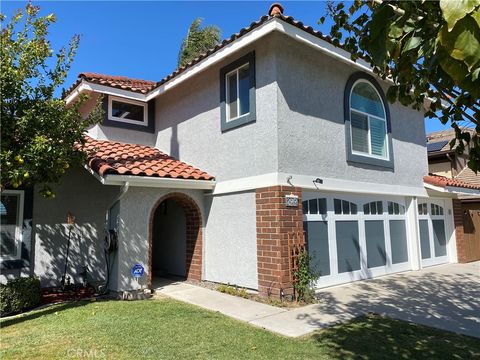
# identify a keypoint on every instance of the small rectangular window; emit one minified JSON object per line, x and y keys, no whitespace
{"x":127,"y":111}
{"x":238,"y":92}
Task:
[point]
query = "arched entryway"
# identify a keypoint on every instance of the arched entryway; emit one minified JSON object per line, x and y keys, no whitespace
{"x":175,"y":238}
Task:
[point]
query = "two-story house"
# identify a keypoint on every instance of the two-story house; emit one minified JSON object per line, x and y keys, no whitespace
{"x":209,"y":173}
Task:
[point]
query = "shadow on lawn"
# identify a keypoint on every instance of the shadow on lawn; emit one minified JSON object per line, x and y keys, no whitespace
{"x":376,"y":337}
{"x":34,"y":314}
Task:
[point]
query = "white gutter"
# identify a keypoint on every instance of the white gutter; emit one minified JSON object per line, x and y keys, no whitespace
{"x":451,"y":190}
{"x":157,"y":182}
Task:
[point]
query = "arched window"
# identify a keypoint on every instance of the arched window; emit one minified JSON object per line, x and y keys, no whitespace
{"x":373,"y":208}
{"x":436,"y":209}
{"x":422,"y":209}
{"x":344,"y":207}
{"x":395,"y":208}
{"x":315,"y":206}
{"x":367,"y":122}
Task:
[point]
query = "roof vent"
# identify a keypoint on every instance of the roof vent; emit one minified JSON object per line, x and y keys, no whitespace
{"x":275,"y":9}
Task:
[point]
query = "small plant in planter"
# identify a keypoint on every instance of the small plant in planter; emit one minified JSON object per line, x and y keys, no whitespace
{"x":305,"y":278}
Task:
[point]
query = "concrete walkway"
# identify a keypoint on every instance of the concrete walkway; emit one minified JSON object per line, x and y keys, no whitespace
{"x":446,"y":297}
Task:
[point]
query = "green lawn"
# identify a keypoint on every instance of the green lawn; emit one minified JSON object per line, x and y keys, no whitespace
{"x":167,"y":329}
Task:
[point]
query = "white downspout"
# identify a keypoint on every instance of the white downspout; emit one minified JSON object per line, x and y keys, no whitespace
{"x":121,"y":194}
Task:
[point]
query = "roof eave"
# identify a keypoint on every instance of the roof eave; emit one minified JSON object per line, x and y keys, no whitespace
{"x":272,"y":24}
{"x":449,"y":191}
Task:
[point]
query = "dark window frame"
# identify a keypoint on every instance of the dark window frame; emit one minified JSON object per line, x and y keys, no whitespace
{"x":251,"y":116}
{"x":355,"y":157}
{"x":150,"y":108}
{"x":23,"y":262}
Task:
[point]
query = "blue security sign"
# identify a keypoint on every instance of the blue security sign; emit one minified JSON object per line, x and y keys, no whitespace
{"x":137,"y":271}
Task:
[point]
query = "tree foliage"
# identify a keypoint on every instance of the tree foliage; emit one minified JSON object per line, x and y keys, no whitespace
{"x":197,"y":41}
{"x":38,"y":131}
{"x":430,"y":50}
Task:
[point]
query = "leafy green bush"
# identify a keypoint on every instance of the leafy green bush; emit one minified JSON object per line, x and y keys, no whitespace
{"x":20,"y":294}
{"x":305,"y":278}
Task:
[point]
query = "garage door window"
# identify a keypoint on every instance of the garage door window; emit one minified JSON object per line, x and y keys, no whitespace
{"x":354,"y":237}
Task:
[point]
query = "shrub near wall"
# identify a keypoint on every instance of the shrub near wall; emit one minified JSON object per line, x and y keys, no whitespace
{"x":20,"y":294}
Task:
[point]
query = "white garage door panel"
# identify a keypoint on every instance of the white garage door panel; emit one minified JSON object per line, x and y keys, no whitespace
{"x":433,"y":239}
{"x":353,"y":237}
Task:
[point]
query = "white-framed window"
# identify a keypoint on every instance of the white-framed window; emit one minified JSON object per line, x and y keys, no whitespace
{"x":237,"y":90}
{"x":127,"y":111}
{"x":368,"y":121}
{"x":11,"y":213}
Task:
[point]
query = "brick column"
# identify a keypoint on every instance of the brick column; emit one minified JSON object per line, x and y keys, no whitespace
{"x":458,"y":222}
{"x":275,"y":221}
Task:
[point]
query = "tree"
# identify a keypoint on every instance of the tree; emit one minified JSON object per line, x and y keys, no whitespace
{"x":430,"y":50}
{"x":198,"y":41}
{"x":39,"y":134}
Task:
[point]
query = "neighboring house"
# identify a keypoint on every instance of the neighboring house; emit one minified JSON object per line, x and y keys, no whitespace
{"x":442,"y":160}
{"x":272,"y":131}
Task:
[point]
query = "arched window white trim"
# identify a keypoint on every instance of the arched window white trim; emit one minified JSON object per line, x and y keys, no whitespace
{"x":368,"y":128}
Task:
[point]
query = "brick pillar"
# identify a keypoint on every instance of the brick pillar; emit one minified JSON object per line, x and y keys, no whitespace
{"x":458,"y":222}
{"x":274,"y":223}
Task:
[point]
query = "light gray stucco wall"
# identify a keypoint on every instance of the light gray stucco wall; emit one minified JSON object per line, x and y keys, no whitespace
{"x":231,"y":246}
{"x":87,"y":199}
{"x":311,"y":129}
{"x":188,"y":122}
{"x":136,"y":207}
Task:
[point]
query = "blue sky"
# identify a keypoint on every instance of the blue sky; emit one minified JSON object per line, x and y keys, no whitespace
{"x":141,"y":39}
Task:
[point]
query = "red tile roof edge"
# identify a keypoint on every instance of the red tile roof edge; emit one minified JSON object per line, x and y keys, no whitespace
{"x":442,"y":181}
{"x":107,"y":157}
{"x":288,"y":19}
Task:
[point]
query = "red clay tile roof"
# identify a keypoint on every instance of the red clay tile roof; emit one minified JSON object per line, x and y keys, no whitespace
{"x":110,"y":157}
{"x":121,"y":82}
{"x":443,"y":181}
{"x":125,"y":82}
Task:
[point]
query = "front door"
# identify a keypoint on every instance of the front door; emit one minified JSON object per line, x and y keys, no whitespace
{"x":433,"y":239}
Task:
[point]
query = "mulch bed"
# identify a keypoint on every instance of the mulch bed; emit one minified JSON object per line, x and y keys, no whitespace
{"x":55,"y":295}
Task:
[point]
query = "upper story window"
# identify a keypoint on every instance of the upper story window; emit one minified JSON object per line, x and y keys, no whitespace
{"x":127,"y":111}
{"x":367,"y":122}
{"x":11,"y":212}
{"x":237,"y":88}
{"x":237,"y":92}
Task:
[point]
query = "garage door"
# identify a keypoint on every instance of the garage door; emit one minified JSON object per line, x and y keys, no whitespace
{"x":353,"y":238}
{"x":433,"y":239}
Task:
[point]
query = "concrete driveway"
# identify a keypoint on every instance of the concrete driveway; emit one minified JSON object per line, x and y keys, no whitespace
{"x":446,"y":297}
